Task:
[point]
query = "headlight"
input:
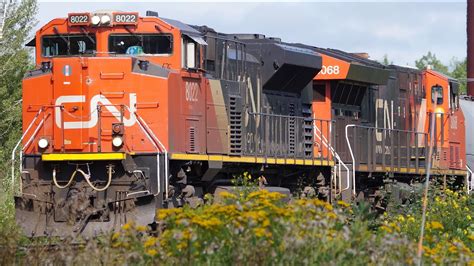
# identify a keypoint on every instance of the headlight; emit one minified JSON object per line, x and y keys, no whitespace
{"x":43,"y":143}
{"x":95,"y":20}
{"x":105,"y":19}
{"x":117,"y":141}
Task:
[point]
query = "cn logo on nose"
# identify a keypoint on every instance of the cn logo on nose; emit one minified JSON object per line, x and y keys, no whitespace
{"x":93,"y":116}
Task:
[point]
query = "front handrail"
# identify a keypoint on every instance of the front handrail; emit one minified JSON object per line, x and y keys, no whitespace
{"x":19,"y":143}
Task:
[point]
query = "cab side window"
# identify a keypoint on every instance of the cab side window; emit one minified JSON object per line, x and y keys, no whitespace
{"x":437,"y":92}
{"x":453,"y":91}
{"x":190,"y":57}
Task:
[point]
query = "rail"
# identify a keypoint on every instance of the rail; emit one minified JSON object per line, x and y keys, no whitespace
{"x":385,"y":147}
{"x":284,"y":136}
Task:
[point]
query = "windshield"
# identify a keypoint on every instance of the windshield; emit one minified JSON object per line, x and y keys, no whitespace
{"x":58,"y":45}
{"x":155,"y":44}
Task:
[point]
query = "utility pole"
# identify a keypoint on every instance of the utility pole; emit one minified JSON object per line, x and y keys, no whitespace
{"x":470,"y":47}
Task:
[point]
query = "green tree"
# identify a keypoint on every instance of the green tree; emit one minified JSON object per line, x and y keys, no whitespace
{"x":430,"y":60}
{"x":15,"y":61}
{"x":459,"y":72}
{"x":386,"y":61}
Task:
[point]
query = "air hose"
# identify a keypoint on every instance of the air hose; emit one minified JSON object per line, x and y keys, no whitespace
{"x":86,"y":177}
{"x":56,"y":181}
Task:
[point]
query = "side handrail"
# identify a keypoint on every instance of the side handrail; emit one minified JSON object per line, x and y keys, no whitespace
{"x":469,"y":180}
{"x":352,"y":157}
{"x":335,"y":155}
{"x":144,"y":126}
{"x":369,"y":127}
{"x":20,"y":141}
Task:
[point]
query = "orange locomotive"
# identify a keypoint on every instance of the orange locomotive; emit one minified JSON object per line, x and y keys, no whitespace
{"x":127,"y":114}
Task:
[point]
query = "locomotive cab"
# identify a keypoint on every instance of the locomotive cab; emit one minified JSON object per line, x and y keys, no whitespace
{"x":442,"y":95}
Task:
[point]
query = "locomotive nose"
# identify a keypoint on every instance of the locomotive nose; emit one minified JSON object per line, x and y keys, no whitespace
{"x":90,"y":95}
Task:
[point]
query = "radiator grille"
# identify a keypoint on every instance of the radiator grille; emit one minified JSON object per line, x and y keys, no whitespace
{"x":192,"y":140}
{"x":235,"y":121}
{"x":292,"y":129}
{"x":308,"y":131}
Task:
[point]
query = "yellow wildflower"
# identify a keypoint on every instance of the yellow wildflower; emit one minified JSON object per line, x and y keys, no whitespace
{"x":401,"y":218}
{"x":455,"y":204}
{"x":141,"y":228}
{"x":266,"y":222}
{"x":227,"y":195}
{"x":151,"y":241}
{"x":328,"y":207}
{"x":436,"y":225}
{"x":165,"y":213}
{"x":115,"y":236}
{"x":127,"y":226}
{"x":182,"y":245}
{"x":261,"y":232}
{"x":187,"y":234}
{"x":343,"y":203}
{"x":468,"y":217}
{"x":386,"y":229}
{"x":452,"y":249}
{"x":210,"y":223}
{"x":151,"y":252}
{"x":332,"y":215}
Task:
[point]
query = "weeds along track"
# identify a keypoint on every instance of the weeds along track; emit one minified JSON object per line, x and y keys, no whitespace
{"x":258,"y":228}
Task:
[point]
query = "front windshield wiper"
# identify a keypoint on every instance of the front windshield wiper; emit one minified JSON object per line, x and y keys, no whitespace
{"x":60,"y":36}
{"x":87,"y":35}
{"x":132,"y":33}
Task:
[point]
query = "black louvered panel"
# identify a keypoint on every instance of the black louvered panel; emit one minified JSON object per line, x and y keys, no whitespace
{"x":235,"y":121}
{"x":308,"y":131}
{"x":192,"y":140}
{"x":292,"y":130}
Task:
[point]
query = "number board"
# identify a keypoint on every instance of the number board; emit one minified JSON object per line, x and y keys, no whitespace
{"x":78,"y":19}
{"x":126,"y":18}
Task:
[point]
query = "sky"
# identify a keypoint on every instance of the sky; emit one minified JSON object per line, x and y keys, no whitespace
{"x":403,"y":30}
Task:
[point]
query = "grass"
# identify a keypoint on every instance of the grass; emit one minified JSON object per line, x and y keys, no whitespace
{"x":251,"y":226}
